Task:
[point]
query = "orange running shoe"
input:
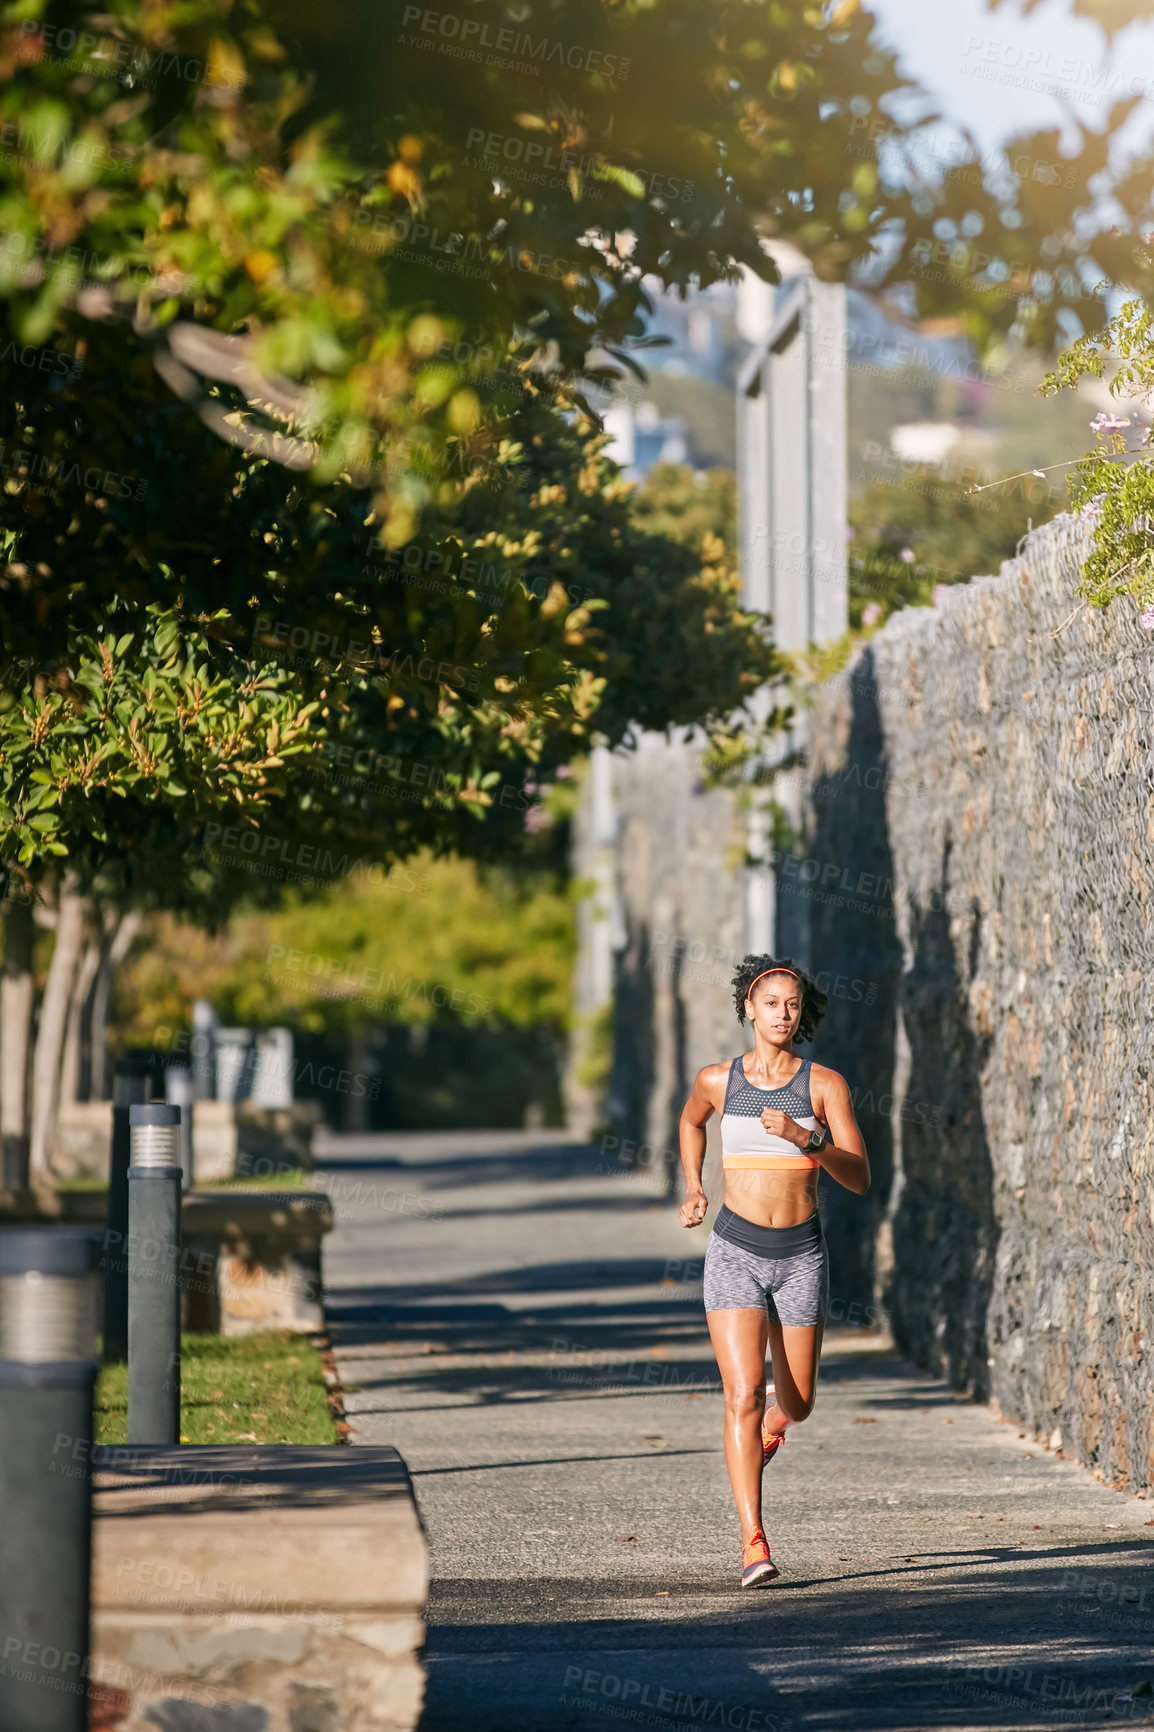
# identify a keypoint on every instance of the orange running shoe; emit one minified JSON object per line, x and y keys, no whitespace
{"x":758,"y":1568}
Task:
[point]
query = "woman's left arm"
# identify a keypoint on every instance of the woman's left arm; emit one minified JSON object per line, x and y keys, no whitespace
{"x":844,"y":1156}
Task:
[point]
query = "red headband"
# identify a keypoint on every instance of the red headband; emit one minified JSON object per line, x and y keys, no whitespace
{"x":766,"y":971}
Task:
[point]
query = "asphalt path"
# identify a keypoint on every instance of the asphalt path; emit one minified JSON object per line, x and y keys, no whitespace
{"x":522,"y":1319}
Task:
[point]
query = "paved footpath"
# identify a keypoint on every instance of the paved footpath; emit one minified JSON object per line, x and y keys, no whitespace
{"x":524,"y":1329}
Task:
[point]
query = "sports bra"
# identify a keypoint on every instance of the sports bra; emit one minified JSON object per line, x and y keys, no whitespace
{"x":744,"y":1140}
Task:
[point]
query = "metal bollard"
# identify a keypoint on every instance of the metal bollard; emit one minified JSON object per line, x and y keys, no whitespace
{"x":178,"y":1088}
{"x":133,"y":1085}
{"x":48,"y":1291}
{"x":154,"y":1275}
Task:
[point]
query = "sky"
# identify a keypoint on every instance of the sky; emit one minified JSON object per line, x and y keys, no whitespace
{"x":1001,"y":73}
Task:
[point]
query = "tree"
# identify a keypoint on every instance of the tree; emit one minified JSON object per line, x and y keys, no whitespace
{"x":362,"y":233}
{"x":17,"y":997}
{"x":378,"y":274}
{"x":688,"y":506}
{"x":478,"y":654}
{"x":924,"y":529}
{"x":479,"y":956}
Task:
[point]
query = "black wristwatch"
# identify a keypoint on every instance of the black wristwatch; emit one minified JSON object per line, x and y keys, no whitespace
{"x":817,"y":1140}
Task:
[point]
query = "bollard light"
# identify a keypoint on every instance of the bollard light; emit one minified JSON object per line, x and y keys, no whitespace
{"x":133,"y":1085}
{"x":154,"y":1187}
{"x":48,"y":1294}
{"x":178,"y":1089}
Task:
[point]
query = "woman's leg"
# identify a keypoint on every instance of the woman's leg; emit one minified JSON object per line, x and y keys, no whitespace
{"x":739,"y":1340}
{"x":799,"y":1298}
{"x":796,"y":1356}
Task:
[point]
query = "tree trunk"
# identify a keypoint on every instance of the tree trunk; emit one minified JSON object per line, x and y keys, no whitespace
{"x":356,"y":1101}
{"x":116,"y":941}
{"x":72,"y":910}
{"x":17,"y":995}
{"x":72,"y":1064}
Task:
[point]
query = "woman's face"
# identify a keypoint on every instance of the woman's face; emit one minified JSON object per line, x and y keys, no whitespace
{"x":774,"y":1008}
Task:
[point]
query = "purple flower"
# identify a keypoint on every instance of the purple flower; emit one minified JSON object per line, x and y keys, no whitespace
{"x":906,"y":556}
{"x":1091,"y":513}
{"x":538,"y":818}
{"x":1145,"y":439}
{"x":564,"y":771}
{"x":871,"y":613}
{"x":1146,"y":620}
{"x":1104,"y":423}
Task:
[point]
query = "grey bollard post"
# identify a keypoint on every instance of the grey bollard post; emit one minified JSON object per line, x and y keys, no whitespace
{"x":178,"y":1088}
{"x":154,"y":1275}
{"x":133,"y":1085}
{"x":48,"y":1290}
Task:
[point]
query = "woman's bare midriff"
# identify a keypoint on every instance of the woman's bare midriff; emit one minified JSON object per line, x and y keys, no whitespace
{"x":771,"y":1199}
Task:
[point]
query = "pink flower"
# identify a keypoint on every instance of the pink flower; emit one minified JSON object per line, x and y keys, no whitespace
{"x":1146,"y":620}
{"x":1104,"y":423}
{"x":906,"y":556}
{"x":564,"y":771}
{"x":871,"y":614}
{"x":538,"y":818}
{"x":941,"y":590}
{"x":1091,"y":513}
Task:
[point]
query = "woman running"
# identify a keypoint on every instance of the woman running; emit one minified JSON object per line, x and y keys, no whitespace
{"x":783,"y":1118}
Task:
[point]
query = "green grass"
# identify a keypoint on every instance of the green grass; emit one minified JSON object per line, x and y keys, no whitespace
{"x":264,"y":1388}
{"x":82,"y":1182}
{"x":292,"y":1179}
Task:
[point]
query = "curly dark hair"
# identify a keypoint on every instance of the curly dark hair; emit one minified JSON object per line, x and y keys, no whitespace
{"x":813,"y":1000}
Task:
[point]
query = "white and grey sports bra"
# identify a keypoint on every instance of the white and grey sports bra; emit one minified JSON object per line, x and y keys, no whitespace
{"x":745,"y":1142}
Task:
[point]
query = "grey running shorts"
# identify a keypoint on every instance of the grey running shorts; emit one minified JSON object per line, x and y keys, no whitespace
{"x":794,"y":1289}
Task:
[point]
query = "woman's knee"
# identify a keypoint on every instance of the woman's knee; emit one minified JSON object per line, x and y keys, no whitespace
{"x":745,"y":1400}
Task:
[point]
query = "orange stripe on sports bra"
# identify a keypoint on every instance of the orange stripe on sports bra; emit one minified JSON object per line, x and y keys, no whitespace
{"x":761,"y":1163}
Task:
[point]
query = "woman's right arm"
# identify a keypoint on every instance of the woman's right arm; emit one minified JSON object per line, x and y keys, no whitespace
{"x":695,"y":1116}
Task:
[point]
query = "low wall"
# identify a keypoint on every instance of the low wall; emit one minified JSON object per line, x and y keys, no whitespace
{"x":238,"y":1589}
{"x":981,"y":849}
{"x":252,"y":1260}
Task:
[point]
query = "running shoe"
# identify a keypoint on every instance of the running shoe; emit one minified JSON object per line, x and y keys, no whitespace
{"x":771,"y":1441}
{"x":758,"y":1568}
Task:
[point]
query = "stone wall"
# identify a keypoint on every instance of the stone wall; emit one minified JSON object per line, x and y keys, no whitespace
{"x":974,"y":891}
{"x":981,"y":848}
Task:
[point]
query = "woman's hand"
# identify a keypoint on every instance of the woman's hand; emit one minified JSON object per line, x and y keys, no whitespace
{"x":779,"y":1124}
{"x":693,"y":1209}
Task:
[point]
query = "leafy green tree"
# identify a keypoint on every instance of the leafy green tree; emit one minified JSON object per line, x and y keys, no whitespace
{"x":285,"y":645}
{"x":675,"y":501}
{"x":327,"y":296}
{"x":365,"y":972}
{"x":924,"y":529}
{"x":443,"y":938}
